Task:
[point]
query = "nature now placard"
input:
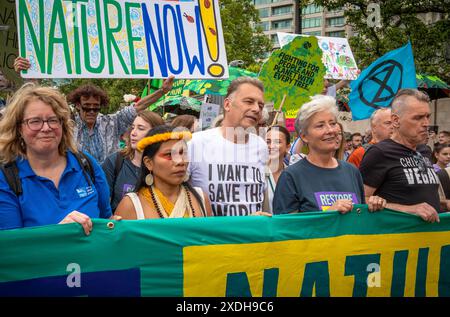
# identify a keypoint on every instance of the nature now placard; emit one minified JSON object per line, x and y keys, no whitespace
{"x":121,"y":39}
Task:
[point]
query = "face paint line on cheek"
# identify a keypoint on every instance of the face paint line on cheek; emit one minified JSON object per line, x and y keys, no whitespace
{"x":167,"y":157}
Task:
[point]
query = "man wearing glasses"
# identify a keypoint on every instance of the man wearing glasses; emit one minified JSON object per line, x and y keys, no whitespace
{"x":95,"y":133}
{"x":99,"y":134}
{"x":395,"y":170}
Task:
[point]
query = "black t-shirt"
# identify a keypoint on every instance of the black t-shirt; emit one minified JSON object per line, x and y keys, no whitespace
{"x":425,"y":150}
{"x":400,"y":174}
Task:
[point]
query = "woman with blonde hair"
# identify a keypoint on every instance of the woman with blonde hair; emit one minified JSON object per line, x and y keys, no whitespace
{"x":320,"y":181}
{"x":163,"y":191}
{"x":123,"y":168}
{"x":44,"y":179}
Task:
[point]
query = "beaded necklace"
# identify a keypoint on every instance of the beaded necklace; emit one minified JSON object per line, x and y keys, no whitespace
{"x":158,"y":210}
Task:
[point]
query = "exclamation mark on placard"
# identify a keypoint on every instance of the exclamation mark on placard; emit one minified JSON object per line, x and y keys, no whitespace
{"x":207,"y":13}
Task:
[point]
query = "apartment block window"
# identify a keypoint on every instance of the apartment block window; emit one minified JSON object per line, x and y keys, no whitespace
{"x":260,"y":2}
{"x":282,"y":24}
{"x":311,"y":8}
{"x":274,"y":39}
{"x":315,"y":33}
{"x":311,"y":23}
{"x":264,"y":26}
{"x":336,"y":34}
{"x":281,"y":10}
{"x":336,"y":10}
{"x":339,"y":21}
{"x":264,"y":12}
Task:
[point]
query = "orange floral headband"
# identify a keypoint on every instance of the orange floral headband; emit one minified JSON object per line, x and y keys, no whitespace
{"x":162,"y":137}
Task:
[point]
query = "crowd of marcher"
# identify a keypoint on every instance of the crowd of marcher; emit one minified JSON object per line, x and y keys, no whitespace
{"x":60,"y":168}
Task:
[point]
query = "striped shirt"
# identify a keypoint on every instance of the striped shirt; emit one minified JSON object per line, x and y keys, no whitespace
{"x":103,"y":139}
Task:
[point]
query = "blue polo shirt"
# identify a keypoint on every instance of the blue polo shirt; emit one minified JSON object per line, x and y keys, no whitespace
{"x":41,"y":203}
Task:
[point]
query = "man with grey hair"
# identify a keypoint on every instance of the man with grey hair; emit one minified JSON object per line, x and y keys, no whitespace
{"x":228,"y":162}
{"x":395,"y":170}
{"x":381,"y":127}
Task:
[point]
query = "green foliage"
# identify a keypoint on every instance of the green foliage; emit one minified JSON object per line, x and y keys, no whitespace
{"x":217,"y":86}
{"x":242,"y":41}
{"x":400,"y":22}
{"x":254,"y":68}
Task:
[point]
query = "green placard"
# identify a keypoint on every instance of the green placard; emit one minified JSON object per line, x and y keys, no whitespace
{"x":296,"y":71}
{"x":8,"y":41}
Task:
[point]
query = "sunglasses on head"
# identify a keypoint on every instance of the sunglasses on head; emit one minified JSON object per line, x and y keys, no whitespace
{"x":94,"y":110}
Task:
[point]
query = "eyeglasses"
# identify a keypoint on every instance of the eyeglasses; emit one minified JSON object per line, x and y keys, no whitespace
{"x":36,"y":124}
{"x":94,"y":110}
{"x":421,"y":164}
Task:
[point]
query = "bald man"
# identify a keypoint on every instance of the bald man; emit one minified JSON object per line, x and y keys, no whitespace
{"x":381,"y":127}
{"x":395,"y":170}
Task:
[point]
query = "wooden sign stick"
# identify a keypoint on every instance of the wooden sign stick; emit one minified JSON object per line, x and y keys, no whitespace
{"x":275,"y":119}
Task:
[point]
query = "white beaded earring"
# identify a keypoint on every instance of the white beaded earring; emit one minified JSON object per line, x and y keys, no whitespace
{"x":149,"y":179}
{"x":186,"y":177}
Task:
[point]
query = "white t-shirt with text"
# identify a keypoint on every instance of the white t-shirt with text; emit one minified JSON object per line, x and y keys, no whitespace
{"x":231,"y":174}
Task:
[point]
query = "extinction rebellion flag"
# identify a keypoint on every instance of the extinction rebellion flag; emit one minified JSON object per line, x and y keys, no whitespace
{"x":378,"y":84}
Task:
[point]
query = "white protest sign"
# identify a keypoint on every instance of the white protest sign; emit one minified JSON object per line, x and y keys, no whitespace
{"x":337,"y":55}
{"x":208,"y":113}
{"x":121,"y":38}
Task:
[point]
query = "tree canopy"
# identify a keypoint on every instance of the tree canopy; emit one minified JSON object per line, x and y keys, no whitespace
{"x":243,"y":39}
{"x":401,"y":20}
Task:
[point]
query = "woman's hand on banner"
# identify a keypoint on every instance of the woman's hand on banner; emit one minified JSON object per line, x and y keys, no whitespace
{"x":82,"y":219}
{"x":342,"y":205}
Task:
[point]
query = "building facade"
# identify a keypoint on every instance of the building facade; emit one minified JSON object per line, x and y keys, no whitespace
{"x":286,"y":16}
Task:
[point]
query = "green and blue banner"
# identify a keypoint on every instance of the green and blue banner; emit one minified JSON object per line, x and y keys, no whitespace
{"x":377,"y":254}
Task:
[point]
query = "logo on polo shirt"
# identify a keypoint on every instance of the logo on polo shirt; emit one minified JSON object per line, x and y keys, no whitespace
{"x":85,"y":191}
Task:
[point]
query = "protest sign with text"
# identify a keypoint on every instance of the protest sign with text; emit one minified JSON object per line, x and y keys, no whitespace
{"x":337,"y":55}
{"x":295,"y":71}
{"x":121,"y":38}
{"x":9,"y":45}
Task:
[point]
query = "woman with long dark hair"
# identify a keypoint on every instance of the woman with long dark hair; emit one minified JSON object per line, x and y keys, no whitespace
{"x":163,"y":191}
